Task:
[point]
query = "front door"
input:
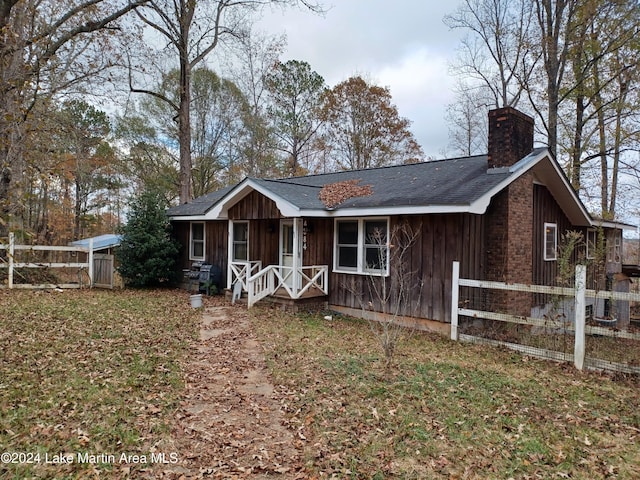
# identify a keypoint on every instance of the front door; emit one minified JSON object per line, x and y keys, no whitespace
{"x":287,"y":251}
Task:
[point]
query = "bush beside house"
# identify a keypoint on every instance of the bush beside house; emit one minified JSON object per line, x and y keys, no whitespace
{"x":147,"y":252}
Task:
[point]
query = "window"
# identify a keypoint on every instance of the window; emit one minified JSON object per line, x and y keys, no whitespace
{"x":588,"y":311}
{"x":614,"y":247}
{"x":347,"y":246}
{"x":240,"y":241}
{"x":591,"y":243}
{"x":196,"y":244}
{"x":375,"y":245}
{"x":361,"y":246}
{"x":550,"y":241}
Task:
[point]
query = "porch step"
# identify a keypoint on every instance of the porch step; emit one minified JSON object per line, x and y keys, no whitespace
{"x":305,"y":304}
{"x":313,"y":303}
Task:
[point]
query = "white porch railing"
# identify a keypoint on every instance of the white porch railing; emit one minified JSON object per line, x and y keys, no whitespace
{"x":241,"y":271}
{"x":274,"y":277}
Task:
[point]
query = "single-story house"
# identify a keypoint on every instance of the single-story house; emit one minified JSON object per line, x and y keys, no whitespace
{"x":501,"y":215}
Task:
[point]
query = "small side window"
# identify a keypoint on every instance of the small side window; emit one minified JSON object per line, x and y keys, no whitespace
{"x":591,"y":243}
{"x":550,"y":241}
{"x":196,"y":250}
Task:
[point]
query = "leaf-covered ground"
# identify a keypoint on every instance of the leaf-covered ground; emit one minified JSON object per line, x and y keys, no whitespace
{"x":260,"y":394}
{"x":445,"y":410}
{"x":89,"y":373}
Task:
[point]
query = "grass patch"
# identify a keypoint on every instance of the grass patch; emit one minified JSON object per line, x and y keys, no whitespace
{"x":447,"y":410}
{"x":89,"y":372}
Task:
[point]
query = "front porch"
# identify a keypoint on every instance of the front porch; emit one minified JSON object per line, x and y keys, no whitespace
{"x":288,"y":286}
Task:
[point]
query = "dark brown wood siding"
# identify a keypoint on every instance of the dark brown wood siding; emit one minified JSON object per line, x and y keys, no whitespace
{"x":264,"y":241}
{"x":254,"y":206}
{"x":216,"y":239}
{"x":442,"y":239}
{"x":319,"y":242}
{"x":547,"y":210}
{"x":180,"y":231}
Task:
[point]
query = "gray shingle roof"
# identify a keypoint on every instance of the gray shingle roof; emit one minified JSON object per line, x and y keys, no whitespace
{"x":457,"y":181}
{"x":200,"y":205}
{"x":451,"y":182}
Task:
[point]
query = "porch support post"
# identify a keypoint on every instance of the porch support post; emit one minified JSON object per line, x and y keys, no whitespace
{"x":297,"y":255}
{"x":90,"y":261}
{"x":229,"y":253}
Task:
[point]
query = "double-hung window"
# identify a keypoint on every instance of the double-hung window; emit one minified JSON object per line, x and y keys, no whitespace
{"x":362,"y":246}
{"x":550,"y":241}
{"x":240,"y":241}
{"x":196,"y":242}
{"x":614,"y":246}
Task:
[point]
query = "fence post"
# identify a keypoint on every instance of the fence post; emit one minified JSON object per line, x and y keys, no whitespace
{"x":12,"y":242}
{"x":580,"y":288}
{"x":90,"y":258}
{"x":455,"y":278}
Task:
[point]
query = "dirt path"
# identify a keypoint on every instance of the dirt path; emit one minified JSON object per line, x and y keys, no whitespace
{"x":230,"y":424}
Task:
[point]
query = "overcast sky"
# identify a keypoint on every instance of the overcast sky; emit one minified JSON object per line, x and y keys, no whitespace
{"x":400,"y":44}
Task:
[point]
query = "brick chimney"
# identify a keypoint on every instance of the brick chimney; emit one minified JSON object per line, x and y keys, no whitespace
{"x":510,"y":136}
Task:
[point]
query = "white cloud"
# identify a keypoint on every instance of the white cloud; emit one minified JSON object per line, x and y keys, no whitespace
{"x":421,"y":89}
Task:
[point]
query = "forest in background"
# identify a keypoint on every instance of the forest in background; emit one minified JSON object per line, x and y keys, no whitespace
{"x":100,"y":100}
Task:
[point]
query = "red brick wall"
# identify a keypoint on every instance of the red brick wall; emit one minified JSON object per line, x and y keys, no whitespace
{"x":510,"y":245}
{"x":509,"y":234}
{"x":510,"y":136}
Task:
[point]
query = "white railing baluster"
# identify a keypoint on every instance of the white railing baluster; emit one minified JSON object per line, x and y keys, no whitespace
{"x":270,"y":279}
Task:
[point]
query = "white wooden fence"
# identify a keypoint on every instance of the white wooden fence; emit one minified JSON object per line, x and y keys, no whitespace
{"x":578,"y":327}
{"x":11,"y":264}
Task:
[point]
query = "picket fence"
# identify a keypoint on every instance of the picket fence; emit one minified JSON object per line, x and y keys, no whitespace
{"x":578,"y":327}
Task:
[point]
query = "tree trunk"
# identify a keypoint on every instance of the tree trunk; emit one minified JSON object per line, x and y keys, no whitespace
{"x":184,"y":131}
{"x":616,"y":147}
{"x":576,"y":154}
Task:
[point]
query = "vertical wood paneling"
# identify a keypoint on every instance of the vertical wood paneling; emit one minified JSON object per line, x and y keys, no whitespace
{"x":427,"y":267}
{"x":546,"y":210}
{"x":254,"y":206}
{"x":443,"y":239}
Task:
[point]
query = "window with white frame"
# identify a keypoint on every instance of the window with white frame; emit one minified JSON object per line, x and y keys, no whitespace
{"x":550,"y":241}
{"x":591,"y":243}
{"x":361,"y":246}
{"x":614,"y":247}
{"x":240,"y":249}
{"x":196,"y":242}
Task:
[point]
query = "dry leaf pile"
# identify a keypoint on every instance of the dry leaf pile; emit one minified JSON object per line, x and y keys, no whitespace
{"x":333,"y":194}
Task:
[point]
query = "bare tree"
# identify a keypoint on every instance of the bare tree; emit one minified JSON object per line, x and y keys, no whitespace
{"x":388,"y":296}
{"x":192,"y":30}
{"x":494,"y":55}
{"x":253,"y":58}
{"x":467,"y":119}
